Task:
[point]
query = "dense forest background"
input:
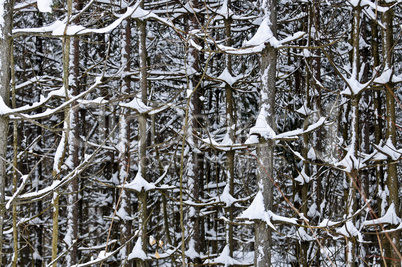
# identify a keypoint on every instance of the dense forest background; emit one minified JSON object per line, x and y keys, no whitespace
{"x":198,"y":133}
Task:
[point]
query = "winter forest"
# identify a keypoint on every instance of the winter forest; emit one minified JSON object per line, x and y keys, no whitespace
{"x":200,"y":133}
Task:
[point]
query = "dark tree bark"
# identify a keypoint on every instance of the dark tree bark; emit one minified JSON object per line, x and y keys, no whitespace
{"x":265,"y":149}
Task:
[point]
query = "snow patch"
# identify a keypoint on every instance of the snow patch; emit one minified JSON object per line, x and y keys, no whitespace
{"x":137,"y":105}
{"x":303,"y":178}
{"x":263,"y":35}
{"x":256,"y":211}
{"x":224,"y":258}
{"x":140,"y":183}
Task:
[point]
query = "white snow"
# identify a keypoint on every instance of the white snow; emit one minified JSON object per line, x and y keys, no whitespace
{"x":59,"y":153}
{"x":3,"y":107}
{"x":313,"y":211}
{"x":303,"y":236}
{"x":350,"y":162}
{"x":387,"y":150}
{"x":101,"y":257}
{"x":195,"y":45}
{"x":225,"y":145}
{"x":385,"y":77}
{"x":122,"y":214}
{"x":190,"y":252}
{"x":224,"y":10}
{"x":42,"y":191}
{"x":304,"y":110}
{"x":96,"y":101}
{"x":45,"y":5}
{"x":327,"y":223}
{"x":228,"y":78}
{"x":256,"y":211}
{"x":63,"y":29}
{"x":354,"y":86}
{"x":349,"y":230}
{"x":2,"y":2}
{"x":310,"y":128}
{"x":58,"y":27}
{"x":293,"y":37}
{"x":261,"y":128}
{"x":311,"y":154}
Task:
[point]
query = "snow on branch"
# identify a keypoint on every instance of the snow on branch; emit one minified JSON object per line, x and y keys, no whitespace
{"x":137,"y":105}
{"x":388,"y":76}
{"x":39,"y":195}
{"x":226,"y":77}
{"x":139,"y":183}
{"x":256,"y":211}
{"x":137,"y":252}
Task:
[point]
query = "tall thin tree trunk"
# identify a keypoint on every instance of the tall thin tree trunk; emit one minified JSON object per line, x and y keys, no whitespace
{"x":392,"y":251}
{"x":265,"y":150}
